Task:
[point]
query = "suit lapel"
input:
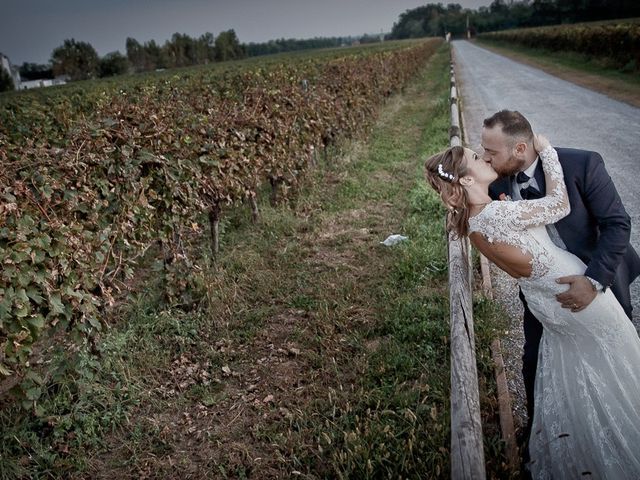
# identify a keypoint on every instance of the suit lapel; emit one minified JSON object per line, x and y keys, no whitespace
{"x":501,"y":185}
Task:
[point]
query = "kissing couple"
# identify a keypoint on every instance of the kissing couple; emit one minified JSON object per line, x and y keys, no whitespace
{"x":552,"y":219}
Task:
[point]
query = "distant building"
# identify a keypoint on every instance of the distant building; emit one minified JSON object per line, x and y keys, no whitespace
{"x":5,"y":64}
{"x":24,"y":85}
{"x":43,"y":82}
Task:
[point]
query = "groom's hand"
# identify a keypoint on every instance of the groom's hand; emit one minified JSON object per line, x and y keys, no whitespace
{"x":580,"y":294}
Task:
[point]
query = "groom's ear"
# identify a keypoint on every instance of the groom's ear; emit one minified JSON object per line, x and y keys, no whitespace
{"x":521,"y":148}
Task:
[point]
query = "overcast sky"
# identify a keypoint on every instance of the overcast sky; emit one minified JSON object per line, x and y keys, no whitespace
{"x":31,"y":29}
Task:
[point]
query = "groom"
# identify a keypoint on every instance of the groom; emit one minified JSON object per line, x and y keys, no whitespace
{"x":597,"y":230}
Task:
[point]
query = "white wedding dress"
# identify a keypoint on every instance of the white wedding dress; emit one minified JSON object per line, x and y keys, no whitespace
{"x":587,"y":390}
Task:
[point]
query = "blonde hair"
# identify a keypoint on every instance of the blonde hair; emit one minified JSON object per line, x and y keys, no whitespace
{"x":443,"y":172}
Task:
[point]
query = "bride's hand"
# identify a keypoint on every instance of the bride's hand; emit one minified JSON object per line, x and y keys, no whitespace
{"x":540,"y":142}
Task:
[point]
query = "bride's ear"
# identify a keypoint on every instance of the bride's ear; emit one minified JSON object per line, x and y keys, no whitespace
{"x":467,"y":181}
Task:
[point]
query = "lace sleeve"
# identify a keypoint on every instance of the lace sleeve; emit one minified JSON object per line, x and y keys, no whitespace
{"x":554,"y":205}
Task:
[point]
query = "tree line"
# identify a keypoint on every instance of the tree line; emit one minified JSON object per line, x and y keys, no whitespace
{"x":183,"y":51}
{"x":282,"y":45}
{"x":437,"y":20}
{"x":79,"y":60}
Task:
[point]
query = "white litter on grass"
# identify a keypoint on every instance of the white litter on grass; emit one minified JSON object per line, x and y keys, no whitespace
{"x":394,"y":239}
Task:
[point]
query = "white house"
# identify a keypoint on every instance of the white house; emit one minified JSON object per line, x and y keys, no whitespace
{"x":24,"y":85}
{"x":42,"y":82}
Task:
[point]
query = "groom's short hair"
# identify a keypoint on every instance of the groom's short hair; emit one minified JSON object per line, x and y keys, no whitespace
{"x":513,"y":124}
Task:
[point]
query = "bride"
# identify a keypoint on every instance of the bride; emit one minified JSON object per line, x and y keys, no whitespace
{"x":587,"y":389}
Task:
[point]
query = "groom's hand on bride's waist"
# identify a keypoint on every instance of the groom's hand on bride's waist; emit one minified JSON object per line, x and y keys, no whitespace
{"x":580,"y":294}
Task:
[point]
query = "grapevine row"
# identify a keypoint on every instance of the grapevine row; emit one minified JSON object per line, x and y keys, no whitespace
{"x":618,"y":43}
{"x":78,"y":213}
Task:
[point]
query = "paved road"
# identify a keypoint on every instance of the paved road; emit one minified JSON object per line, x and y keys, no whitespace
{"x":569,"y":115}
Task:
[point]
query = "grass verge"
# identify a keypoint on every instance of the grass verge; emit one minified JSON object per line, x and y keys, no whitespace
{"x":309,"y":349}
{"x":577,"y":68}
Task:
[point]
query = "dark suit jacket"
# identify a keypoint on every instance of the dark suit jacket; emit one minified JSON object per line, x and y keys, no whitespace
{"x":598,"y":228}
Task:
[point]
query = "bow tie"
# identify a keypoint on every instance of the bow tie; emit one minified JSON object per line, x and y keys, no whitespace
{"x":530,"y":193}
{"x":522,"y":177}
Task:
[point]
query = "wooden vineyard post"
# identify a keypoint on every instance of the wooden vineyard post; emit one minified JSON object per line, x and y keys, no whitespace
{"x":273,"y":197}
{"x":255,"y":214}
{"x":214,"y":221}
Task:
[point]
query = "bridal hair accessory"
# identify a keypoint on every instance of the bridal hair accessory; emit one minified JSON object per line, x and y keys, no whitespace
{"x":443,"y":174}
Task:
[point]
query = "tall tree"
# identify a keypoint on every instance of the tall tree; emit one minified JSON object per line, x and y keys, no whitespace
{"x":79,"y":60}
{"x":228,"y":47}
{"x":422,"y":21}
{"x":34,"y":71}
{"x":154,"y":56}
{"x":179,"y":50}
{"x":136,"y":54}
{"x":206,"y":48}
{"x":113,"y":63}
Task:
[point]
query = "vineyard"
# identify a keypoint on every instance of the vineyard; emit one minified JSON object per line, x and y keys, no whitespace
{"x":615,"y":43}
{"x":98,"y":178}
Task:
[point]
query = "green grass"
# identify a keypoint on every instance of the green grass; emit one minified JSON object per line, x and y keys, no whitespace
{"x":350,"y":337}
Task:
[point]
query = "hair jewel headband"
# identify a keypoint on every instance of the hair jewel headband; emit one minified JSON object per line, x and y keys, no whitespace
{"x":443,"y":174}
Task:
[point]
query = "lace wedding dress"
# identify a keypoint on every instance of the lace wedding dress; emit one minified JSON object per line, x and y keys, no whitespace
{"x":587,"y":391}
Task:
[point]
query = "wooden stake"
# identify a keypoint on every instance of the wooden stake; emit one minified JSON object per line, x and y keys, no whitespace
{"x":214,"y":221}
{"x":254,"y":209}
{"x":273,"y":198}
